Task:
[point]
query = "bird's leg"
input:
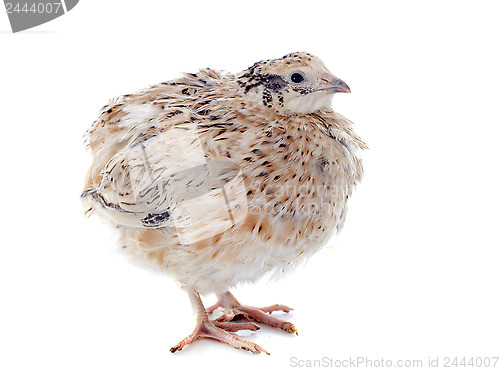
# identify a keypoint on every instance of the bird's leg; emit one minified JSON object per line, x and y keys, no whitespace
{"x":234,"y":310}
{"x":206,"y":328}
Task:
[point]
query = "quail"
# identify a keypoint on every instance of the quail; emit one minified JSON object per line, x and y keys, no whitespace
{"x":217,"y":179}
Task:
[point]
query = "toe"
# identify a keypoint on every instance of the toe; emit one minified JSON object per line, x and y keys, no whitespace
{"x":236,"y":326}
{"x":289,"y":327}
{"x":275,"y":308}
{"x":256,"y":349}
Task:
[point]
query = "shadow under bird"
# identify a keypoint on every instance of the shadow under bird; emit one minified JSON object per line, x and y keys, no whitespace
{"x":218,"y":179}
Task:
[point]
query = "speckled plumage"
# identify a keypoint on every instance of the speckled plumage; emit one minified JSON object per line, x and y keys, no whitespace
{"x":292,"y":159}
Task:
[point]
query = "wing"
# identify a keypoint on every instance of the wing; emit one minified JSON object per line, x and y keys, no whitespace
{"x":128,"y":117}
{"x":149,"y":167}
{"x":166,"y":180}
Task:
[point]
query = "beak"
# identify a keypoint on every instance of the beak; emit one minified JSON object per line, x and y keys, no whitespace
{"x":332,"y":84}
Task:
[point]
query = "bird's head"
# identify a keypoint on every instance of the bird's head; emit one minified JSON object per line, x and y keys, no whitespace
{"x":298,"y":83}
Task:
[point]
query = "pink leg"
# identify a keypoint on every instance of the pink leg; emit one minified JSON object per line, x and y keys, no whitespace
{"x":206,"y":328}
{"x":234,"y":310}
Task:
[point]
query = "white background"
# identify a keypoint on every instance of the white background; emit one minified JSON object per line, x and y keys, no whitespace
{"x":414,"y":274}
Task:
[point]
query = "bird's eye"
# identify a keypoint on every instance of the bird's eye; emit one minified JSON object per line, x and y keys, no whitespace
{"x":297,"y":77}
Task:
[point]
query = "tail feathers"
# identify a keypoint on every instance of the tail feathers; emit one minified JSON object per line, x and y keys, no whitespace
{"x":87,"y":192}
{"x":89,"y":208}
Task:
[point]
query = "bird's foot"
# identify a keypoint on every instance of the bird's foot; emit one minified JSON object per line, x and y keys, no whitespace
{"x":233,"y":310}
{"x":218,"y":331}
